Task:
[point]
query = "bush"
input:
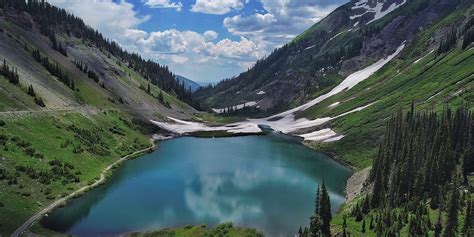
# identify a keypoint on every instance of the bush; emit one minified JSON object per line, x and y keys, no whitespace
{"x":2,"y":123}
{"x":30,"y":151}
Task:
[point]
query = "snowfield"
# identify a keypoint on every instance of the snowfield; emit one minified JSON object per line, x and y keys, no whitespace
{"x":236,"y":107}
{"x":287,"y":122}
{"x":364,"y":4}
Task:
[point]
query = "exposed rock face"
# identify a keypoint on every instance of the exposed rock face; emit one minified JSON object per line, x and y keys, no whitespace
{"x":350,"y":38}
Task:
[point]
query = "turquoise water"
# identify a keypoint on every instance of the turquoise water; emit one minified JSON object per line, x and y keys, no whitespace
{"x":256,"y":181}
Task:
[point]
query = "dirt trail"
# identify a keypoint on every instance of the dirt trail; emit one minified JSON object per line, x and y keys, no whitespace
{"x":24,"y":227}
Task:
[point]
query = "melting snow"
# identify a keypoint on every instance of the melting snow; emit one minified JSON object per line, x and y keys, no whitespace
{"x":310,"y":47}
{"x":418,"y":60}
{"x":286,"y":122}
{"x":236,"y":107}
{"x":363,"y":4}
{"x":336,"y":35}
{"x":334,"y":105}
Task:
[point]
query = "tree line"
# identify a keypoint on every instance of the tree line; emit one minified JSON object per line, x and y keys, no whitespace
{"x":11,"y":74}
{"x":54,"y":69}
{"x":53,"y":20}
{"x":422,"y":164}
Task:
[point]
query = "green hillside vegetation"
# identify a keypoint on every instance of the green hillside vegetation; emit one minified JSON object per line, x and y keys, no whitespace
{"x":420,"y":179}
{"x":222,"y":230}
{"x":46,"y":156}
{"x":61,"y":125}
{"x":432,"y":82}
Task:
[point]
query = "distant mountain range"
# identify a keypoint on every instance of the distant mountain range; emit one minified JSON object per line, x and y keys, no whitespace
{"x":188,"y":83}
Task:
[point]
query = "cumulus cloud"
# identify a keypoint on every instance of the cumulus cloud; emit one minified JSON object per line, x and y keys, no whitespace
{"x":113,"y":19}
{"x":256,"y":34}
{"x":217,"y":7}
{"x":163,"y":4}
{"x":281,"y":21}
{"x":210,"y":35}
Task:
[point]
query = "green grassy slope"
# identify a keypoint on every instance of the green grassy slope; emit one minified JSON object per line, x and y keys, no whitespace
{"x":84,"y":144}
{"x":432,"y":82}
{"x":49,"y":152}
{"x":226,"y":229}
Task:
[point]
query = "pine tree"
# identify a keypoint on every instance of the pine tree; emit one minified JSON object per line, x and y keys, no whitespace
{"x":452,"y":222}
{"x":317,"y":201}
{"x":438,"y":225}
{"x":468,"y":220}
{"x":315,"y":225}
{"x":31,"y":91}
{"x":325,"y":211}
{"x":344,"y":226}
{"x":160,"y":96}
{"x":363,"y":226}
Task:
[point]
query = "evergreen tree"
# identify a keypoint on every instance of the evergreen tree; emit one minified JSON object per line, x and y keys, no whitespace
{"x":452,"y":221}
{"x":31,"y":91}
{"x":325,"y":211}
{"x":468,"y":220}
{"x":317,"y":201}
{"x":160,"y":96}
{"x":438,"y":225}
{"x":344,"y":226}
{"x":363,"y":226}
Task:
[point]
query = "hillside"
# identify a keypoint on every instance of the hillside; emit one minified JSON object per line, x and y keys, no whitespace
{"x":434,"y":67}
{"x":342,"y":85}
{"x":192,"y":85}
{"x":71,"y":103}
{"x":349,"y":39}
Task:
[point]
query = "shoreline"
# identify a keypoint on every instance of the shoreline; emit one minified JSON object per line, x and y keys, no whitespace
{"x":333,"y":156}
{"x":352,"y":183}
{"x":355,"y":182}
{"x":104,"y":176}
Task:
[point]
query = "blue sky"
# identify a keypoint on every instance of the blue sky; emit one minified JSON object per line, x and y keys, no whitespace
{"x":204,"y":40}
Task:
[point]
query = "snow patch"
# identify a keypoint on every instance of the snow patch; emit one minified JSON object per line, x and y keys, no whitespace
{"x":261,"y":92}
{"x":319,"y":135}
{"x":364,"y":4}
{"x":418,"y":60}
{"x":286,"y":122}
{"x":350,"y":81}
{"x":236,"y":107}
{"x":333,"y":139}
{"x":338,"y":34}
{"x":310,"y":47}
{"x":333,"y":105}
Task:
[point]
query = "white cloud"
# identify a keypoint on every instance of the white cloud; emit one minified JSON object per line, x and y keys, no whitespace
{"x":210,"y":35}
{"x":217,"y":7}
{"x":206,"y":58}
{"x":163,"y":4}
{"x":281,"y":21}
{"x":113,"y":19}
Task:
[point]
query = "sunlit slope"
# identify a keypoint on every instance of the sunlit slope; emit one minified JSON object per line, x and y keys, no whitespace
{"x":422,"y":75}
{"x":119,"y":87}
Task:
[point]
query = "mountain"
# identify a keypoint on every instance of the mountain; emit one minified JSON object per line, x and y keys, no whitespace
{"x":386,"y":87}
{"x":188,"y":83}
{"x":71,"y":103}
{"x":351,"y":38}
{"x":374,"y":57}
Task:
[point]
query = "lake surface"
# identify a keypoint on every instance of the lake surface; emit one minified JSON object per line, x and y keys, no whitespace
{"x":258,"y":181}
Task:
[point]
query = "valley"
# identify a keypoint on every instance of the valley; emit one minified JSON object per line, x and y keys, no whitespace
{"x":359,"y":126}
